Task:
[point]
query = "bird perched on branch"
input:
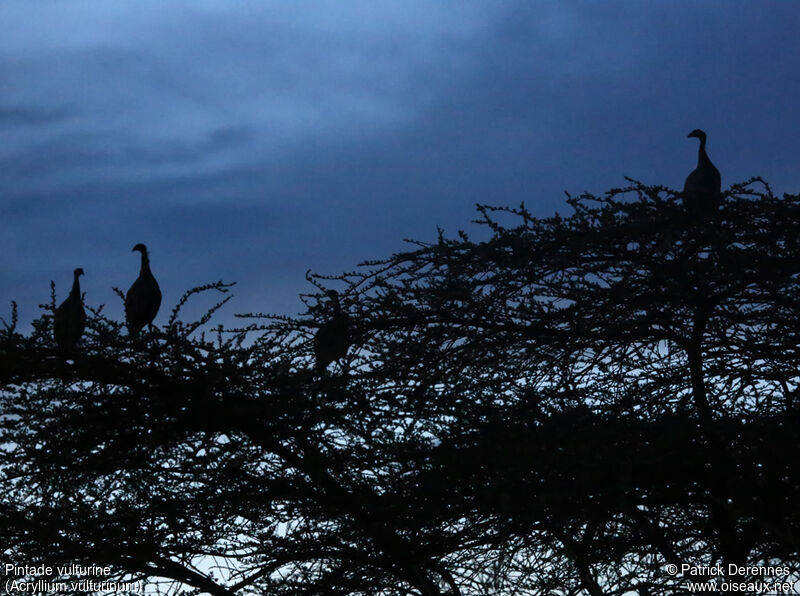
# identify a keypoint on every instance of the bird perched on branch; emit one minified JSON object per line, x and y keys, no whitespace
{"x":144,"y":296}
{"x":701,"y":191}
{"x":69,"y":319}
{"x":333,"y":336}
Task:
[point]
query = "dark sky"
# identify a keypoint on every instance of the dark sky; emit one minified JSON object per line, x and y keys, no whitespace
{"x":250,"y":141}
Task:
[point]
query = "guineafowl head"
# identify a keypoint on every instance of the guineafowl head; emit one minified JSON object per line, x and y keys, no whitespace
{"x":333,"y":301}
{"x":78,"y":272}
{"x":141,"y":248}
{"x":697,"y":134}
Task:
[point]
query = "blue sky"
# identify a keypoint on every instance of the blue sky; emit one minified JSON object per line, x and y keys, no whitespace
{"x":250,"y":141}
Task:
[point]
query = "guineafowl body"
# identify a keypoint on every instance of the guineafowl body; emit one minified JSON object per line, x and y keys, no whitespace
{"x":333,"y":336}
{"x":143,"y":298}
{"x":701,"y":191}
{"x":69,"y":319}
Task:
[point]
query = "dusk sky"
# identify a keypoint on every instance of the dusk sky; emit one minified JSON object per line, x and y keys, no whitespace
{"x":250,"y":141}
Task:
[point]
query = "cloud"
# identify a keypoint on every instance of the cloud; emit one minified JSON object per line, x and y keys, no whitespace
{"x":252,"y":140}
{"x":156,"y":82}
{"x":17,"y":115}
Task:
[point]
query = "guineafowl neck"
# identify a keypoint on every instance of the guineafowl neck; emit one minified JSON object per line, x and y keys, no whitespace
{"x":702,"y":156}
{"x":76,"y":286}
{"x":145,"y":263}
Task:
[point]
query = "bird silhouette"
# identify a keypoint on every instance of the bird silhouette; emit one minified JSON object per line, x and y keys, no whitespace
{"x":333,"y":336}
{"x":69,"y":319}
{"x":701,"y":191}
{"x":144,"y":296}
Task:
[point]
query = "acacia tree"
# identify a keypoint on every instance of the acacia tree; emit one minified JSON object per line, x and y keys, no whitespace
{"x":566,"y":407}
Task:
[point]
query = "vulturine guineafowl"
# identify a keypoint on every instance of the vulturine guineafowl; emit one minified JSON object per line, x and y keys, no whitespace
{"x":701,"y":191}
{"x":144,"y":296}
{"x":333,"y":336}
{"x":69,"y":319}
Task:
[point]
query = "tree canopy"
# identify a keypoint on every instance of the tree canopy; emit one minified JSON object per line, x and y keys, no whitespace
{"x":569,"y":405}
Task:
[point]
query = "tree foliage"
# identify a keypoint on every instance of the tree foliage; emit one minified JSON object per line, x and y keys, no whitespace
{"x":565,"y":407}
